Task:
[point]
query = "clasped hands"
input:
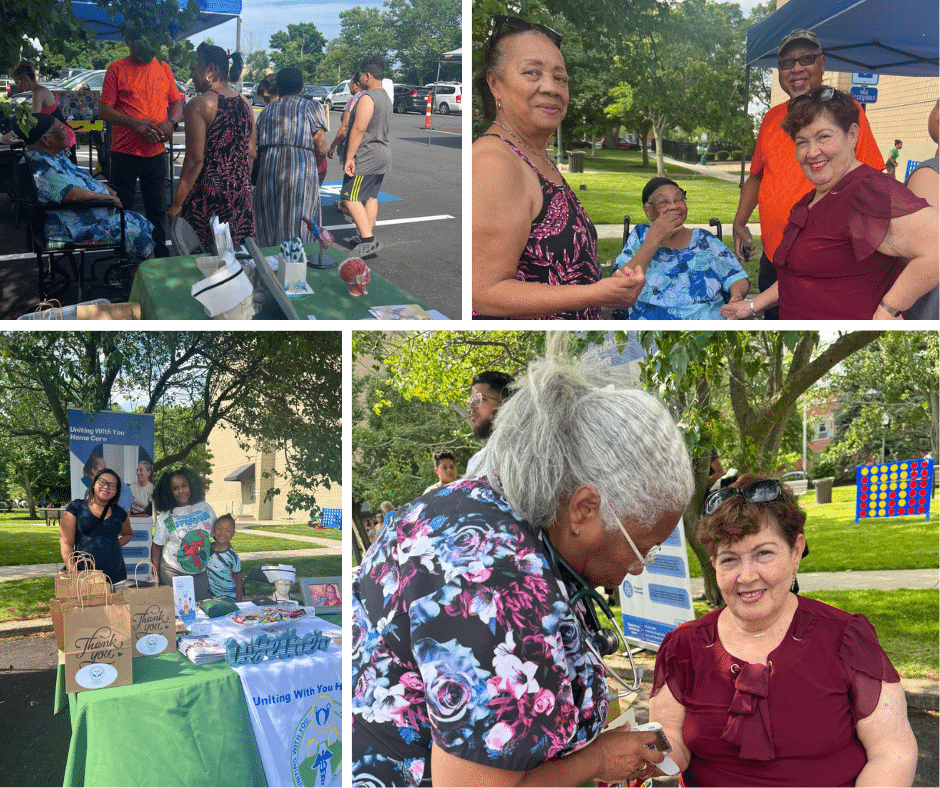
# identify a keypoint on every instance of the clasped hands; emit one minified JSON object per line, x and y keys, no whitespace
{"x":153,"y":130}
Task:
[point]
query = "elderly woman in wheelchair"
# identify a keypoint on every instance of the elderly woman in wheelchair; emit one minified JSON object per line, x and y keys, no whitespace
{"x":60,"y":181}
{"x":690,"y":274}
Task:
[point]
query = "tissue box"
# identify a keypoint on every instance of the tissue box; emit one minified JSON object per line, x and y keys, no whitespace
{"x":292,"y":267}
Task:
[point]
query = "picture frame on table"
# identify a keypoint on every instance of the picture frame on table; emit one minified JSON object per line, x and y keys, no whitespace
{"x":324,"y":594}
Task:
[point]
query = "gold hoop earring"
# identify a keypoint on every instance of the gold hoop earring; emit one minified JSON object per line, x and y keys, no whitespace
{"x":499,"y":105}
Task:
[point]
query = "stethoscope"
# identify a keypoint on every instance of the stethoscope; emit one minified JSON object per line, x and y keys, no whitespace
{"x":601,"y":642}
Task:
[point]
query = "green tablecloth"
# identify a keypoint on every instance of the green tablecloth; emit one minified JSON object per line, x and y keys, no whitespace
{"x":163,"y":286}
{"x":177,"y":724}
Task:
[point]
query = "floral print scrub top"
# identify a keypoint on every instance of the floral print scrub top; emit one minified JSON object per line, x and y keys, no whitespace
{"x":462,"y":635}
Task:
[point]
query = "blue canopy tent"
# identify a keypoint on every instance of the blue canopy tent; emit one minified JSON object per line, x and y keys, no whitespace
{"x":898,"y":37}
{"x":212,"y":13}
{"x":869,"y":36}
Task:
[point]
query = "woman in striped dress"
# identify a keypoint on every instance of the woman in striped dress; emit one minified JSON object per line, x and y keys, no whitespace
{"x":291,"y":143}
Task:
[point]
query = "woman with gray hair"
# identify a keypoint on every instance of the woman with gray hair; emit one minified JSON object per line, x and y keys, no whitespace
{"x":473,"y":664}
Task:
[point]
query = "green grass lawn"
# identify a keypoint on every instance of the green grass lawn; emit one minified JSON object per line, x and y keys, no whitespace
{"x":302,"y":529}
{"x":615,"y":181}
{"x":838,"y":544}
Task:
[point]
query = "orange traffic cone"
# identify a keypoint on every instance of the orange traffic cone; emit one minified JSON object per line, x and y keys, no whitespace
{"x":427,"y":116}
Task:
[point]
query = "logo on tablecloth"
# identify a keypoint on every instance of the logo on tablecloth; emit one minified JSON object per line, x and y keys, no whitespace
{"x":316,"y":751}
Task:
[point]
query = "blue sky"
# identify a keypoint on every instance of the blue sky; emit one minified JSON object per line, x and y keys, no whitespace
{"x":262,"y":18}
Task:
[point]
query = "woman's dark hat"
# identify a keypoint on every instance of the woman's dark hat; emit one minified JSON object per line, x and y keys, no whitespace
{"x":43,"y":124}
{"x":654,"y":184}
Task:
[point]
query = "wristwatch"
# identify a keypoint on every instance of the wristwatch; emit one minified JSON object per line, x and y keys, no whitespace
{"x":890,"y":310}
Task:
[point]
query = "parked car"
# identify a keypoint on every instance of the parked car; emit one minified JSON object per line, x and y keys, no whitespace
{"x":247,"y":89}
{"x":314,"y":93}
{"x":337,"y":97}
{"x":410,"y":98}
{"x":447,"y":97}
{"x":86,"y":80}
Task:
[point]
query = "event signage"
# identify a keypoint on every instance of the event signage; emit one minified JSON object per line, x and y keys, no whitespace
{"x":295,"y":707}
{"x":283,"y":645}
{"x":894,"y":489}
{"x":656,"y":602}
{"x":865,"y":95}
{"x":109,"y":439}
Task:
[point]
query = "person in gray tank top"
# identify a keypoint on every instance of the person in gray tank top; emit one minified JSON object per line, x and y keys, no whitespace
{"x":368,"y":155}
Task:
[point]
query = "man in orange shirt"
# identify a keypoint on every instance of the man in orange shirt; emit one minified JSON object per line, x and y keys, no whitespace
{"x":140,"y":100}
{"x":776,"y":181}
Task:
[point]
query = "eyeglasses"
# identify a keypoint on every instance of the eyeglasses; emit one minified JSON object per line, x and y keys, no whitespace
{"x":785,"y":64}
{"x":817,"y":96}
{"x":761,"y":491}
{"x":651,"y":554}
{"x":501,"y":22}
{"x":475,"y":400}
{"x":680,"y":200}
{"x":107,"y":485}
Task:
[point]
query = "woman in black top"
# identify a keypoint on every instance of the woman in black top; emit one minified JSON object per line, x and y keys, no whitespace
{"x":98,"y":526}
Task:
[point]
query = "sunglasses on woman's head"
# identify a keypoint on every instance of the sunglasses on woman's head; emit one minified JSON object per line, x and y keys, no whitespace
{"x":817,"y":96}
{"x":501,"y":22}
{"x":756,"y":492}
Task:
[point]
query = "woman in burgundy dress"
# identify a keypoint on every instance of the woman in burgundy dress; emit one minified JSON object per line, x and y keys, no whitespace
{"x":861,"y":246}
{"x":774,"y":688}
{"x":534,"y":247}
{"x":220,"y":150}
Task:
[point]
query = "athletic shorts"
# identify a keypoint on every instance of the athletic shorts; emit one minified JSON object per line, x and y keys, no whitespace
{"x":360,"y":188}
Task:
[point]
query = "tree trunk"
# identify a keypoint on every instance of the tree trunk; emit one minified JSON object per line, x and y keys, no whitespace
{"x":28,"y":492}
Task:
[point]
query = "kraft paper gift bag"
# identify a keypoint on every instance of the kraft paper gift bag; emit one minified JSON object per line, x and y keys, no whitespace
{"x":96,"y":588}
{"x":66,"y":582}
{"x":153,"y":619}
{"x":98,"y":647}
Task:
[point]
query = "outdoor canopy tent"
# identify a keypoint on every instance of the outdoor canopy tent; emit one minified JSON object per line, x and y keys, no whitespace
{"x":870,"y":36}
{"x":212,"y":13}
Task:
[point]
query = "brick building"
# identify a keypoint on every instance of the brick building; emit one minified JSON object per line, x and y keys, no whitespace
{"x":239,"y":486}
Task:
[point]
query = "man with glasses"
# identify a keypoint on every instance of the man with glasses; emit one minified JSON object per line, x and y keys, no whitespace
{"x":776,"y":181}
{"x":488,"y":391}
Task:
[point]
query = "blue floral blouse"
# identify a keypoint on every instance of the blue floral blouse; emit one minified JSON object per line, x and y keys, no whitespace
{"x":55,"y":176}
{"x":682,"y":284}
{"x":462,"y":635}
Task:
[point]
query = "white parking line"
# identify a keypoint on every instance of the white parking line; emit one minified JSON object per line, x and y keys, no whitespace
{"x":412,"y":220}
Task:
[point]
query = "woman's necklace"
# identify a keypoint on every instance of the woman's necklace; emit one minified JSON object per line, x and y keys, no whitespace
{"x":519,"y":139}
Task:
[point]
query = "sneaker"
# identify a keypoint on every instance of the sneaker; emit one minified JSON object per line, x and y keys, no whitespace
{"x":367,"y":249}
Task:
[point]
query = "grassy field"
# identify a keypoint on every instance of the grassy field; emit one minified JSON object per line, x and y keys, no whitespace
{"x":302,"y":529}
{"x":615,"y":181}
